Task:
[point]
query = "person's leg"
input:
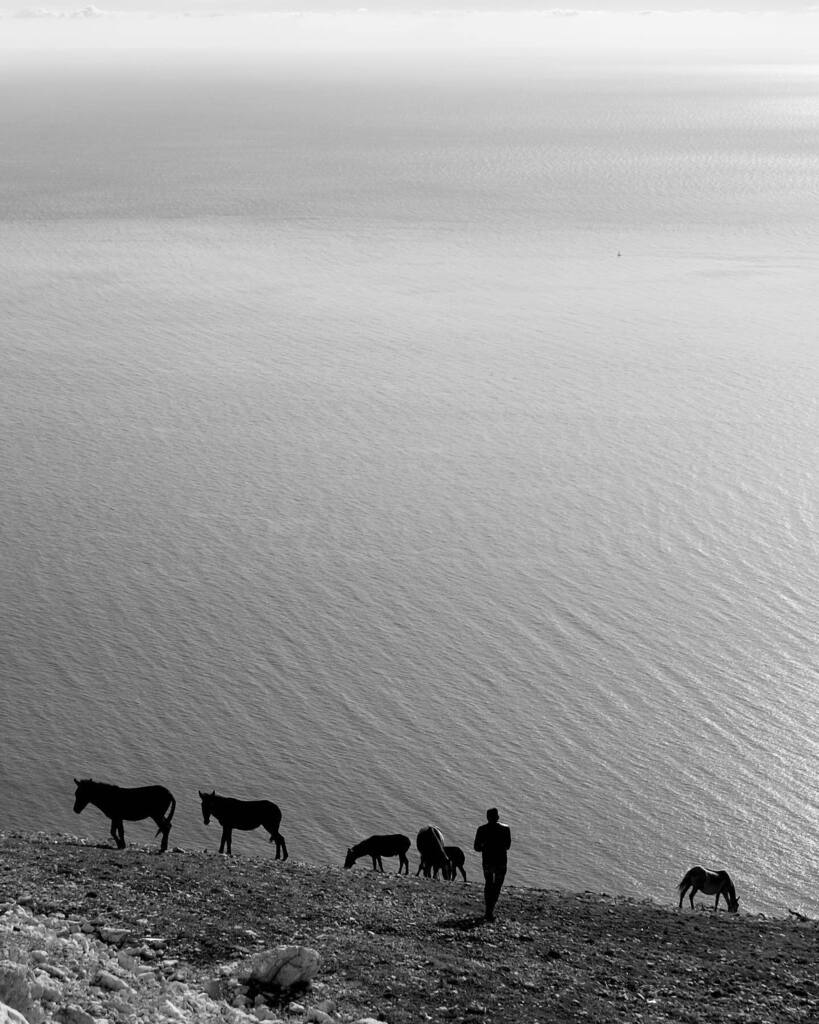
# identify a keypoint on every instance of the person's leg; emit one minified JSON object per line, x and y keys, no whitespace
{"x":489,"y":901}
{"x":493,"y":890}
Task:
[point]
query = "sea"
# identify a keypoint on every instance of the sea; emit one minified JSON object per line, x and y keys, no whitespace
{"x":400,"y":421}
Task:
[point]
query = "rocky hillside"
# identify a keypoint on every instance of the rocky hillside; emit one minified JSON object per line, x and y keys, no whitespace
{"x":89,"y":933}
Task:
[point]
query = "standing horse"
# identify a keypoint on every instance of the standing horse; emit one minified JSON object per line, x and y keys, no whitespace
{"x":378,"y":847}
{"x":430,"y":843}
{"x":709,"y":882}
{"x":244,"y":815}
{"x":120,"y":805}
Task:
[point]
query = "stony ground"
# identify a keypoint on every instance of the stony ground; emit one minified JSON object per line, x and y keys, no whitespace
{"x":177,"y":929}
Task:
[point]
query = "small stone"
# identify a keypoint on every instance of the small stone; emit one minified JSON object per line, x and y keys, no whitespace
{"x":315,"y":1016}
{"x":114,"y":936}
{"x":109,"y":981}
{"x":73,"y":1014}
{"x":264,"y":1013}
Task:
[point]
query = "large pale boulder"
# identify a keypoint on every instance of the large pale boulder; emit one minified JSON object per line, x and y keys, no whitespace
{"x":284,"y":967}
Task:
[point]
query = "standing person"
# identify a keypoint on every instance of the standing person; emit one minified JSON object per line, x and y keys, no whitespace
{"x":492,"y":840}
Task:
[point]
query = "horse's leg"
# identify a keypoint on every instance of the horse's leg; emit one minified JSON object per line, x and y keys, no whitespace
{"x":380,"y":864}
{"x":403,"y":864}
{"x":716,"y":901}
{"x":281,"y":846}
{"x":462,"y":872}
{"x":164,"y":829}
{"x":224,"y":845}
{"x":692,"y":894}
{"x":118,"y":832}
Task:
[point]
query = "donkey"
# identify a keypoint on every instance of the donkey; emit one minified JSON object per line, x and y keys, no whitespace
{"x":378,"y":847}
{"x":244,"y":815}
{"x":120,"y":805}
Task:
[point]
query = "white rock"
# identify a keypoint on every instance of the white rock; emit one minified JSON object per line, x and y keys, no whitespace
{"x":172,"y":1011}
{"x":105,"y":979}
{"x":264,"y":1013}
{"x":8,"y":1015}
{"x":315,"y":1016}
{"x":284,"y":967}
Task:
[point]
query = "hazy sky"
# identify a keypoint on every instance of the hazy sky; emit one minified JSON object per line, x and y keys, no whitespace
{"x":404,"y":5}
{"x":410,"y":26}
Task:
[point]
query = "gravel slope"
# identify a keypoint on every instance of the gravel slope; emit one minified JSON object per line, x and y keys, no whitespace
{"x":178,"y":930}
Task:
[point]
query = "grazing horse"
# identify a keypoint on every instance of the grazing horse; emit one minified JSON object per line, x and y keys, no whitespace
{"x":430,"y":843}
{"x":244,"y":815}
{"x":456,"y":858}
{"x":378,"y":847}
{"x":120,"y":805}
{"x":709,"y":882}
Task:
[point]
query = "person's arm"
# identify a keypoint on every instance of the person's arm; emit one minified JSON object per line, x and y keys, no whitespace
{"x":478,"y":844}
{"x":508,"y":837}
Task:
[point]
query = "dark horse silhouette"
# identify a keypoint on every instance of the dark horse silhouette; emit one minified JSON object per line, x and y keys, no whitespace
{"x":120,"y":805}
{"x":430,"y":843}
{"x":244,"y":815}
{"x":709,"y":882}
{"x":378,"y":847}
{"x":457,"y":859}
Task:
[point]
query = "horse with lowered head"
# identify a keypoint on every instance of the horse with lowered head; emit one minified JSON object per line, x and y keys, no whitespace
{"x":378,"y":847}
{"x":697,"y":879}
{"x":430,"y":843}
{"x":244,"y":815}
{"x":121,"y":805}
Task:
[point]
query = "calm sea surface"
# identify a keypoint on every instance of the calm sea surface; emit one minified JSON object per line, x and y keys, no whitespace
{"x":395,"y":442}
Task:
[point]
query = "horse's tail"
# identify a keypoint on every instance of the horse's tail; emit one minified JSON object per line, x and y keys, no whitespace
{"x":166,"y":821}
{"x":686,"y":880}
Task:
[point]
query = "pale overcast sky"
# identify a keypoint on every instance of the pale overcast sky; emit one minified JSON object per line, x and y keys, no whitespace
{"x":414,"y":5}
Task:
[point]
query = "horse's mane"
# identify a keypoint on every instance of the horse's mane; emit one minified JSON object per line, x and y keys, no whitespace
{"x":98,"y":785}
